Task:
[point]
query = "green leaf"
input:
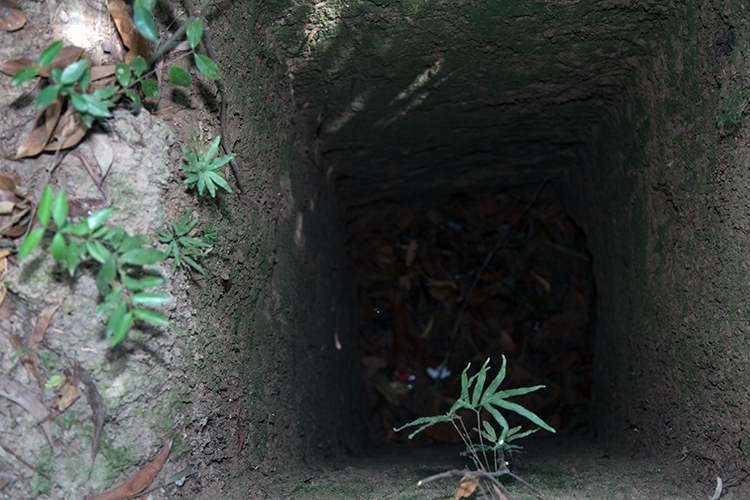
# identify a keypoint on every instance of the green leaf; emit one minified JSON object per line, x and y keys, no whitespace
{"x":60,"y":209}
{"x":139,"y":65}
{"x":87,"y":119}
{"x":117,"y":316}
{"x":495,"y":382}
{"x":142,"y":284}
{"x":149,"y":299}
{"x":81,"y":229}
{"x":498,"y":416}
{"x":23,"y":75}
{"x":479,"y":386}
{"x":94,"y":106}
{"x":206,"y":66}
{"x":74,"y":257}
{"x":216,"y":179}
{"x":95,"y":220}
{"x":73,"y":72}
{"x":79,"y":102}
{"x":58,"y":248}
{"x":106,"y":276}
{"x":53,"y":381}
{"x":44,"y":209}
{"x":30,"y":243}
{"x":121,"y":329}
{"x":109,"y":303}
{"x":131,"y":242}
{"x":150,"y":316}
{"x":489,"y":431}
{"x":49,"y":53}
{"x":143,"y":20}
{"x":142,"y":256}
{"x":193,"y":264}
{"x":194,"y":32}
{"x":150,"y":88}
{"x":115,"y":236}
{"x":85,"y":80}
{"x":135,"y":98}
{"x":105,"y":93}
{"x":98,"y":251}
{"x":424,"y":422}
{"x":465,"y":384}
{"x":525,"y":413}
{"x":179,"y":76}
{"x":123,"y":74}
{"x":47,"y":96}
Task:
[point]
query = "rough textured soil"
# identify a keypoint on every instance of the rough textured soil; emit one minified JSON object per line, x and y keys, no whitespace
{"x":635,"y":108}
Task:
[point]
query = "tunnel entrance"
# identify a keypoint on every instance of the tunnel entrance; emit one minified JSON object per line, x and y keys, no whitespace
{"x":442,"y":285}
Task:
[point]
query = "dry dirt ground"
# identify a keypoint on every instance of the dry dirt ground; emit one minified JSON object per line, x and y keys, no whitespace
{"x":149,"y":390}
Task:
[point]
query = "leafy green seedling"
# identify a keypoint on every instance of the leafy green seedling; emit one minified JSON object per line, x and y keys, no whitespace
{"x":73,"y":83}
{"x":203,"y":168}
{"x":122,"y":279}
{"x":488,"y":454}
{"x":181,"y":246}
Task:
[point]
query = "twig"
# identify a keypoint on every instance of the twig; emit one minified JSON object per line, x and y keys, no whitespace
{"x":27,"y":464}
{"x":223,"y":93}
{"x":465,"y":303}
{"x":172,"y":40}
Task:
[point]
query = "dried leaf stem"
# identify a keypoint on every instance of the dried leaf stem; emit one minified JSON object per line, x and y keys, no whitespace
{"x":27,"y":464}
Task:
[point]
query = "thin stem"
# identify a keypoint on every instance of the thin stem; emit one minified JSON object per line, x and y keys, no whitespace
{"x":172,"y":40}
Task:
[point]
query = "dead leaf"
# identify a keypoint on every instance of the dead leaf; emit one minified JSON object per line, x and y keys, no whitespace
{"x":130,"y":37}
{"x":507,"y":343}
{"x":12,"y":390}
{"x":46,"y":120}
{"x":67,"y":393}
{"x":15,"y":209}
{"x":99,"y":72}
{"x":428,"y":328}
{"x":544,"y":282}
{"x":411,"y":252}
{"x":466,"y":487}
{"x":140,"y":481}
{"x":98,"y":408}
{"x":69,"y":130}
{"x":67,"y":56}
{"x":5,"y":309}
{"x":41,"y":326}
{"x":30,"y":360}
{"x":11,"y":19}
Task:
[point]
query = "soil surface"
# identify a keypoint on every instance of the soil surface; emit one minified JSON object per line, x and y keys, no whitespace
{"x":258,"y":377}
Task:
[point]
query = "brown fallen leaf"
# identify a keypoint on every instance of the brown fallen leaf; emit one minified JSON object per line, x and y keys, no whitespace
{"x":411,"y":252}
{"x":428,"y":328}
{"x":140,"y":481}
{"x":41,"y":326}
{"x":6,"y":309}
{"x":69,"y":130}
{"x":130,"y":37}
{"x":11,"y":19}
{"x":67,"y":393}
{"x":67,"y":56}
{"x":28,"y":358}
{"x":544,"y":282}
{"x":15,"y":209}
{"x":98,"y":408}
{"x":466,"y":487}
{"x":46,"y":120}
{"x":12,"y":390}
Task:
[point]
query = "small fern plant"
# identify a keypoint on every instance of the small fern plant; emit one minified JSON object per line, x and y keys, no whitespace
{"x":488,"y":454}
